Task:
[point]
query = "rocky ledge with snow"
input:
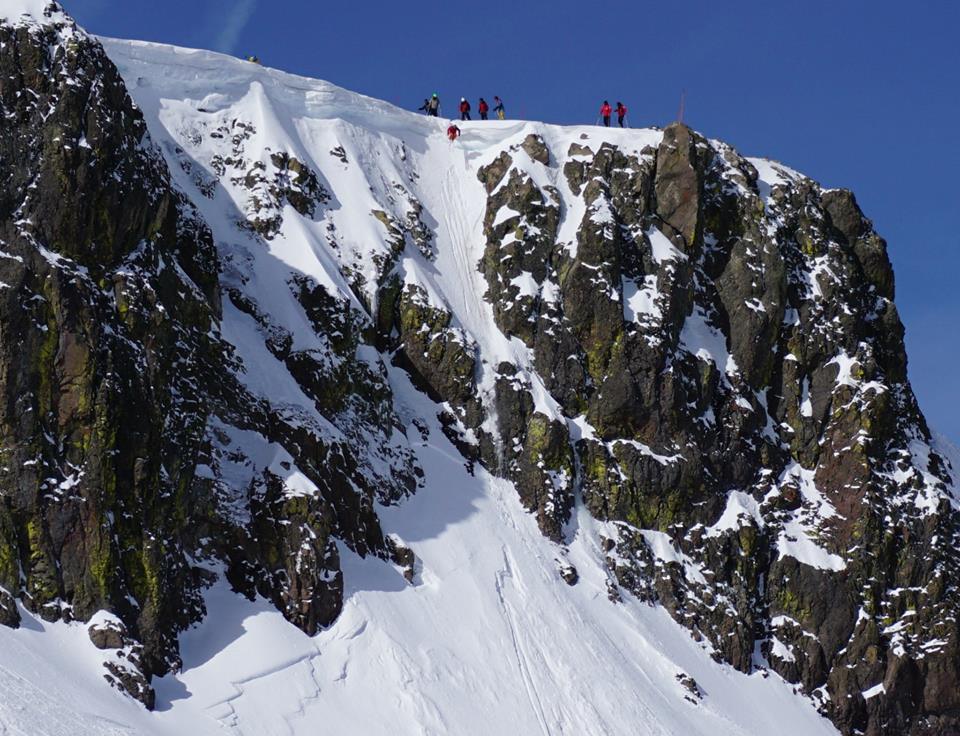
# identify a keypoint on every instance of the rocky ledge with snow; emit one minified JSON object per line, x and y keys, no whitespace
{"x":256,"y":330}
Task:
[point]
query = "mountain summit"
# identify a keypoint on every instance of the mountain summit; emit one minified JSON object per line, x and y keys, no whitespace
{"x":314,"y":418}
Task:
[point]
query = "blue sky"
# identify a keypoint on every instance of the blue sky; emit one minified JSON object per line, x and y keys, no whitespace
{"x":856,"y":94}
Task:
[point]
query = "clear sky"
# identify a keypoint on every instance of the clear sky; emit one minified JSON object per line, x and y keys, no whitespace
{"x":856,"y":94}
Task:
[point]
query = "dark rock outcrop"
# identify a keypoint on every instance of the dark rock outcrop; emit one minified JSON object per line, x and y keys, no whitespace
{"x":732,"y":345}
{"x":109,"y":298}
{"x":123,"y":409}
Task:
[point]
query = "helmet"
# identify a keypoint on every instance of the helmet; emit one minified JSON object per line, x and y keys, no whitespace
{"x":434,"y":94}
{"x":463,"y":99}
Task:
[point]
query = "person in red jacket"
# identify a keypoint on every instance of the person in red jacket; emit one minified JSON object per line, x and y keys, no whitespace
{"x":621,"y":113}
{"x":605,"y":111}
{"x":483,"y":108}
{"x":453,"y":132}
{"x":464,"y":109}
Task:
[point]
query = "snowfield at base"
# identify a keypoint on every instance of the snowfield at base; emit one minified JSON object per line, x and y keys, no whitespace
{"x":489,"y":639}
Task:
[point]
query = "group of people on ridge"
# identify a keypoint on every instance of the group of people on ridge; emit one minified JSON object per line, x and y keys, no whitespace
{"x":431,"y":106}
{"x":483,"y":108}
{"x":605,"y":111}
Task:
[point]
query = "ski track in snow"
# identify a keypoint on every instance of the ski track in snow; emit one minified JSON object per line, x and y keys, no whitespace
{"x":489,"y":640}
{"x":518,"y":648}
{"x":20,"y":697}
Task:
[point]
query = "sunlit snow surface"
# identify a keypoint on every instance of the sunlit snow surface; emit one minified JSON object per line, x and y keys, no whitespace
{"x":489,"y":639}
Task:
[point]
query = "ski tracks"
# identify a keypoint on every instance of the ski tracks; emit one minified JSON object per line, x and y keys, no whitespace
{"x":465,"y":287}
{"x":533,"y":646}
{"x":523,"y":661}
{"x":21,"y":704}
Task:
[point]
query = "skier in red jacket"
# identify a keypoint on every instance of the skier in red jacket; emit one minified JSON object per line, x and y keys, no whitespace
{"x":605,"y":111}
{"x":483,"y":108}
{"x":453,"y":131}
{"x":621,"y":113}
{"x":464,"y":109}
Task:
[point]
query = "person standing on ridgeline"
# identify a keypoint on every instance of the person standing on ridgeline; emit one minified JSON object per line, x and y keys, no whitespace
{"x":498,"y":108}
{"x":605,"y":111}
{"x":453,"y":131}
{"x":425,"y":107}
{"x":464,"y":109}
{"x":483,"y":108}
{"x":434,"y":105}
{"x":621,"y":113}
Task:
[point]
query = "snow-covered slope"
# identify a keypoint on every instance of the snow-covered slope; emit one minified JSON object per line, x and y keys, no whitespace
{"x":489,"y":639}
{"x":25,"y":10}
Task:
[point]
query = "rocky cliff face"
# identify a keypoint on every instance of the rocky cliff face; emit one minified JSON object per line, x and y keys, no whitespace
{"x":108,"y":300}
{"x":700,"y":348}
{"x":731,"y":349}
{"x":122,"y":411}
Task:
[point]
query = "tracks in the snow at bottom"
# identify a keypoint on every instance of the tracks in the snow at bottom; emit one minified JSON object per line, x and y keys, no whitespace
{"x":523,"y":662}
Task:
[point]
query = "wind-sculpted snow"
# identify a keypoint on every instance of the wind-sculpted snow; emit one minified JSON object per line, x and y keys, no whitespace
{"x":548,"y":430}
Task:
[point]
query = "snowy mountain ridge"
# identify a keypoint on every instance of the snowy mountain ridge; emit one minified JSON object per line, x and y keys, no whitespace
{"x":468,"y":408}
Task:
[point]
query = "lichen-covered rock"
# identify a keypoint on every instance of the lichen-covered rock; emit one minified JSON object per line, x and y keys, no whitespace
{"x":299,"y":566}
{"x":109,"y":301}
{"x":438,"y":354}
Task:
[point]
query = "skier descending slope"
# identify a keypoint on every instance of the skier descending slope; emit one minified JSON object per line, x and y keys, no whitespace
{"x":453,"y":132}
